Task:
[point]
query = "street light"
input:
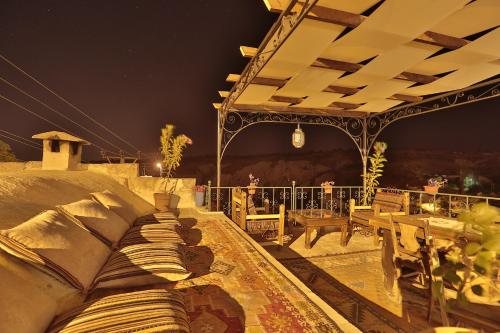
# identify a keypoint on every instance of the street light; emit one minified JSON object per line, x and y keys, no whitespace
{"x":158,"y":165}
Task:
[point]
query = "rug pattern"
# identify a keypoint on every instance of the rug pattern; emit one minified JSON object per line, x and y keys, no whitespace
{"x":353,"y":284}
{"x":235,"y":288}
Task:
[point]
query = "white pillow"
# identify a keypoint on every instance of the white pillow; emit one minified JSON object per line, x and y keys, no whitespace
{"x":116,"y":204}
{"x":98,"y":219}
{"x":59,"y":246}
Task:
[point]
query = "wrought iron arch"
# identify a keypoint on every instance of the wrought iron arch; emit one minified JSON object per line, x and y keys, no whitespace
{"x":236,"y":122}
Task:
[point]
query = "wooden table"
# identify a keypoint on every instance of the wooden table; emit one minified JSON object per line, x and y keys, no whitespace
{"x":443,"y":228}
{"x":312,"y":219}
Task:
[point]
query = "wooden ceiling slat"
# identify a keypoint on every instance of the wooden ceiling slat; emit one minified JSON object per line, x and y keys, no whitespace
{"x":265,"y":81}
{"x":248,"y":51}
{"x":286,"y":99}
{"x":345,"y":106}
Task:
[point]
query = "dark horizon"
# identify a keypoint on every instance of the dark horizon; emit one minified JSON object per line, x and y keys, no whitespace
{"x":140,"y":65}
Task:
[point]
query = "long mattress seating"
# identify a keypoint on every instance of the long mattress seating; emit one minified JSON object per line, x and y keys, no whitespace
{"x":143,"y":311}
{"x":89,"y":245}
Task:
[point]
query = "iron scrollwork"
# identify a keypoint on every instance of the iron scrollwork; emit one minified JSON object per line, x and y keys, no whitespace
{"x":289,"y":20}
{"x":235,"y":122}
{"x":377,"y":122}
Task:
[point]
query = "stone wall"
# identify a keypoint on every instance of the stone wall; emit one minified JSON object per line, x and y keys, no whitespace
{"x":127,"y":174}
{"x":146,"y":186}
{"x":20,"y":166}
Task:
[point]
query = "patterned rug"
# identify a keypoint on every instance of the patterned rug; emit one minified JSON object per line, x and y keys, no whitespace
{"x":353,"y":284}
{"x":239,"y":287}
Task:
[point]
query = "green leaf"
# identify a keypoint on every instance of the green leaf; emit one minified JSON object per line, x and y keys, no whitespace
{"x":493,"y":243}
{"x":472,"y":248}
{"x":477,"y":289}
{"x":437,"y":288}
{"x":438,"y":271}
{"x":452,"y":277}
{"x":483,"y":261}
{"x":462,"y":299}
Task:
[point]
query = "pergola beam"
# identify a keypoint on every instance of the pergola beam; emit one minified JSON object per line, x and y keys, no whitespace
{"x":330,"y":111}
{"x":264,"y":81}
{"x":352,"y":20}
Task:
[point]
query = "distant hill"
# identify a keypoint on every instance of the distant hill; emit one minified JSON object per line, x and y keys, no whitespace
{"x":406,"y":169}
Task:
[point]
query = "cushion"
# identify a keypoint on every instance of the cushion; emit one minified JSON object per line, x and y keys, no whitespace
{"x":116,"y":204}
{"x":388,"y":202}
{"x":261,"y":226}
{"x":143,"y":264}
{"x":151,"y":233}
{"x":24,"y":306}
{"x":63,"y":294}
{"x":141,"y":311}
{"x":59,"y":246}
{"x":101,"y":221}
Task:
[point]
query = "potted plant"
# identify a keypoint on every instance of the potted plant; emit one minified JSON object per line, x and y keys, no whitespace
{"x":253,"y":184}
{"x":171,"y":150}
{"x":376,"y":170}
{"x":471,"y":268}
{"x":199,"y":195}
{"x":328,"y":186}
{"x":434,"y":183}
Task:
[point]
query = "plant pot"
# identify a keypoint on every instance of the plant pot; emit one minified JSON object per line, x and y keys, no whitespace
{"x":328,"y":189}
{"x":431,"y":189}
{"x":199,"y":198}
{"x":251,"y":189}
{"x":162,"y":201}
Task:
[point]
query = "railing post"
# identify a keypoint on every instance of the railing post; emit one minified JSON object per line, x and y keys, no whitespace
{"x":294,"y":196}
{"x":209,"y":196}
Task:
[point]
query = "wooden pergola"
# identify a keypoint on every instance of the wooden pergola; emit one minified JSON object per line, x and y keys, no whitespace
{"x":361,"y":65}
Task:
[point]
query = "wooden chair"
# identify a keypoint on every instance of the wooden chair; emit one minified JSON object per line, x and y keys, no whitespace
{"x":247,"y":216}
{"x":414,"y":248}
{"x":384,"y":204}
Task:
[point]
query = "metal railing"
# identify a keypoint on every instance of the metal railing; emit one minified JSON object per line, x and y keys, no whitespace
{"x":314,"y":197}
{"x":443,"y":204}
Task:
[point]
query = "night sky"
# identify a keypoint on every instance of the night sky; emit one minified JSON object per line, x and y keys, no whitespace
{"x":136,"y":65}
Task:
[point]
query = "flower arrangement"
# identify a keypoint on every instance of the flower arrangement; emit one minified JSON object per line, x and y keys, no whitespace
{"x":377,"y":160}
{"x":253,"y":183}
{"x":327,"y":186}
{"x":434,"y":183}
{"x":438,"y":181}
{"x":199,"y":188}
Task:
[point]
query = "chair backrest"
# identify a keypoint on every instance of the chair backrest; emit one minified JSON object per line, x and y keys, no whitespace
{"x":239,"y":207}
{"x":251,"y":210}
{"x":389,"y":201}
{"x":405,"y":236}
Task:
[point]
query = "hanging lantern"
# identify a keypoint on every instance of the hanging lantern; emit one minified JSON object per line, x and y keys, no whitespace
{"x":298,"y":137}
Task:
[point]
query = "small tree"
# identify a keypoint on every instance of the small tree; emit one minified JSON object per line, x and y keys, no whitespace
{"x":375,"y":171}
{"x":6,"y":154}
{"x":171,"y":149}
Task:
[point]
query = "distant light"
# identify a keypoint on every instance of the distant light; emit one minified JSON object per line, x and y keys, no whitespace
{"x":158,"y":165}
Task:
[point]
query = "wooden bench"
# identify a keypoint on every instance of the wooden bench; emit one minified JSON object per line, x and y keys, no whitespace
{"x":244,"y":213}
{"x":383,"y":205}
